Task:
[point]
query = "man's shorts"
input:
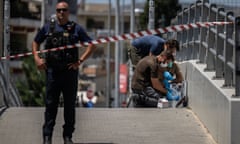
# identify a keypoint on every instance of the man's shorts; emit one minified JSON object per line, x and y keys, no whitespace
{"x":134,"y":55}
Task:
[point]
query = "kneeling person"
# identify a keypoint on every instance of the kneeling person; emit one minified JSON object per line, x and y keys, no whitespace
{"x":145,"y":83}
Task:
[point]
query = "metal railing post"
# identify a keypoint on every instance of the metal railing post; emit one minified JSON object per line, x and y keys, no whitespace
{"x":211,"y":49}
{"x":191,"y":16}
{"x":184,"y":33}
{"x":196,"y":32}
{"x":237,"y":57}
{"x":229,"y":77}
{"x":203,"y":33}
{"x":219,"y":45}
{"x":179,"y":36}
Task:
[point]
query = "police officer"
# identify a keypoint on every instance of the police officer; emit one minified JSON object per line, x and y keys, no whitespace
{"x":61,"y":69}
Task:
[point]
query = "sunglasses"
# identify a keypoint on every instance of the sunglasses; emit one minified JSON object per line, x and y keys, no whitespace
{"x":61,"y":9}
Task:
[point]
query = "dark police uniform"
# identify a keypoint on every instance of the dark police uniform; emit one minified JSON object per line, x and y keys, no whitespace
{"x":59,"y":77}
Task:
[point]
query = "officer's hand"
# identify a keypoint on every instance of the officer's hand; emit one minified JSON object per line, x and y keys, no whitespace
{"x":40,"y":63}
{"x":74,"y":65}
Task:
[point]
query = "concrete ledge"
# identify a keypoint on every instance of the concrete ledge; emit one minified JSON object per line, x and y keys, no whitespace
{"x":213,"y":104}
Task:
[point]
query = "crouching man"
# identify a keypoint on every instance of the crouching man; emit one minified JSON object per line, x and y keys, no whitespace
{"x":146,"y":86}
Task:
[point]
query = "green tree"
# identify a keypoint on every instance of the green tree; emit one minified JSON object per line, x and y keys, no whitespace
{"x":32,"y":91}
{"x":165,"y":11}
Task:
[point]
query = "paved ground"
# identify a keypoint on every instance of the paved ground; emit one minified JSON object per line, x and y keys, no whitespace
{"x":108,"y":126}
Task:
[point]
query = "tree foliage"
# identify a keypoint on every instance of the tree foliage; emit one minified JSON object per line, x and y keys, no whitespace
{"x":32,"y":91}
{"x":165,"y":11}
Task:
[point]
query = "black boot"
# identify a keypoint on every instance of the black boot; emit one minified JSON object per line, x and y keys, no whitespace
{"x":68,"y":140}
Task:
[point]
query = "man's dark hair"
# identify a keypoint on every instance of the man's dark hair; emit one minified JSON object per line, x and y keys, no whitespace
{"x":168,"y":55}
{"x":172,"y":43}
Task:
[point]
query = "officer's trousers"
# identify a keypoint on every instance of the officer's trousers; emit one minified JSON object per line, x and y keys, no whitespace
{"x":58,"y":82}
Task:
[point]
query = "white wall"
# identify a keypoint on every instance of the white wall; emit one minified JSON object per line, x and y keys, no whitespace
{"x":213,"y":104}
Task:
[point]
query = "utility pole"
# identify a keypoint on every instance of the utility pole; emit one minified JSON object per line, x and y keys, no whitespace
{"x":43,"y":13}
{"x":6,"y":45}
{"x":117,"y":60}
{"x":122,"y":31}
{"x":1,"y":49}
{"x":151,"y":15}
{"x":132,"y":17}
{"x":132,"y":25}
{"x":1,"y":28}
{"x":108,"y":64}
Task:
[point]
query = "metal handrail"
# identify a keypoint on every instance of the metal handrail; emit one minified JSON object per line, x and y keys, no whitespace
{"x":12,"y":98}
{"x":215,"y":46}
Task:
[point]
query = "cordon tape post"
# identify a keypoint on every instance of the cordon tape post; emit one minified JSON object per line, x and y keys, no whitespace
{"x":175,"y":28}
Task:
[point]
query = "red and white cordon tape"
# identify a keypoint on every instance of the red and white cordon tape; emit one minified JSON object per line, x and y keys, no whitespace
{"x":175,"y":28}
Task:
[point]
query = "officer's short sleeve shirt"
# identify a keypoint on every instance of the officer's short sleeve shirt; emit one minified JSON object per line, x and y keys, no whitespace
{"x":79,"y":33}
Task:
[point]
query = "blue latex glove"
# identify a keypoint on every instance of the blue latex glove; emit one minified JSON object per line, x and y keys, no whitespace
{"x":167,"y":75}
{"x":172,"y":97}
{"x":170,"y":94}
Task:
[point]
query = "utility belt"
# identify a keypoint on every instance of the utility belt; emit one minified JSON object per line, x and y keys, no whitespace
{"x":59,"y":60}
